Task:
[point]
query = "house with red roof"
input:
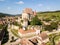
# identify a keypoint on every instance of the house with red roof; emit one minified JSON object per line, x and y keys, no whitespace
{"x":26,"y":33}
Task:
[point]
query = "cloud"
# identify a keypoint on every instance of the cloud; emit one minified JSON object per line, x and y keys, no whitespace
{"x":20,"y":2}
{"x":8,"y":8}
{"x":40,"y":5}
{"x":2,"y":0}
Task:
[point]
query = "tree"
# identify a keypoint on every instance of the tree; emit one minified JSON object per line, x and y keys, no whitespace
{"x":15,"y":23}
{"x":47,"y":19}
{"x":36,"y":21}
{"x":48,"y":27}
{"x":1,"y":26}
{"x":53,"y":25}
{"x":6,"y":35}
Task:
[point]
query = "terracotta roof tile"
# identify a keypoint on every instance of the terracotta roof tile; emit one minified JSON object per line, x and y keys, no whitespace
{"x":58,"y":43}
{"x":24,"y":41}
{"x":26,"y":31}
{"x":43,"y":36}
{"x":43,"y":43}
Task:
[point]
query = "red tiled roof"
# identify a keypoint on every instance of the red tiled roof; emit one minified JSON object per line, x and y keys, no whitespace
{"x":28,"y":10}
{"x":58,"y":43}
{"x":43,"y":43}
{"x":26,"y":31}
{"x":34,"y":40}
{"x":24,"y":41}
{"x":43,"y":35}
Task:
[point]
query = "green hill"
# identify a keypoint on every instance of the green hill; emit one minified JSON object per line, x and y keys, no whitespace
{"x":49,"y":15}
{"x":4,"y":14}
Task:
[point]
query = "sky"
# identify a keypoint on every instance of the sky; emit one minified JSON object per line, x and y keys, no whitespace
{"x":16,"y":6}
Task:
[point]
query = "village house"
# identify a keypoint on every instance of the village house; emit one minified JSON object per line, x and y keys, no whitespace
{"x":26,"y":33}
{"x":43,"y":38}
{"x":25,"y":41}
{"x":1,"y":22}
{"x":58,"y":43}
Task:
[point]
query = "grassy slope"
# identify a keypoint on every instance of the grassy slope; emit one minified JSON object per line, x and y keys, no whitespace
{"x":53,"y":14}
